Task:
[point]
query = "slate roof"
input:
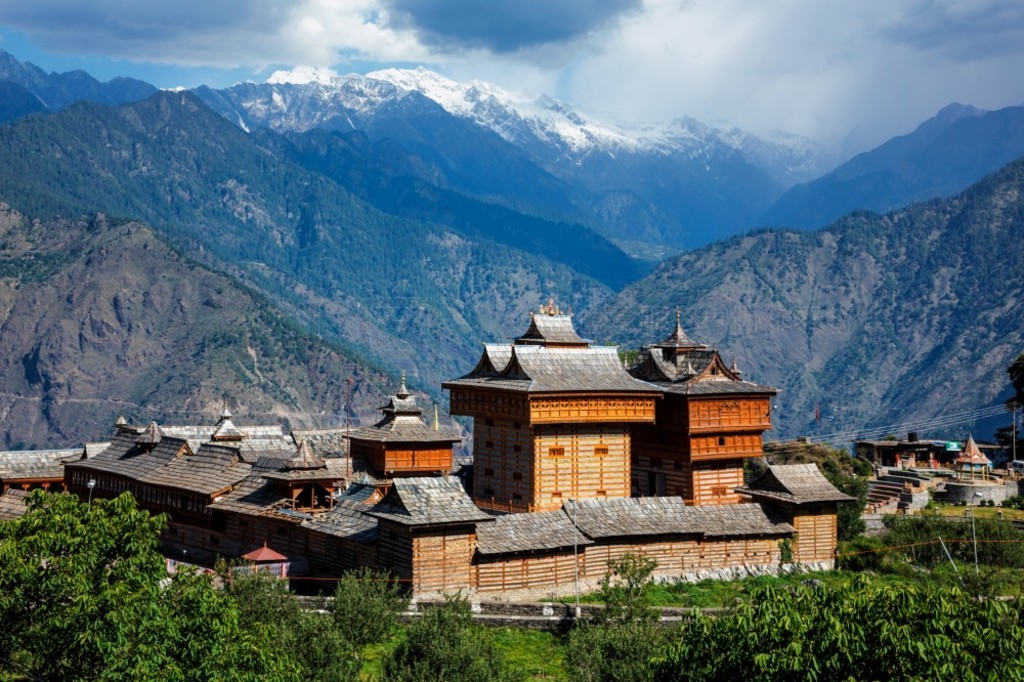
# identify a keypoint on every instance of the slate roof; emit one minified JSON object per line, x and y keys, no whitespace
{"x":125,"y":458}
{"x":541,"y":369}
{"x":678,"y":338}
{"x":325,"y":443}
{"x":546,"y":328}
{"x":629,"y":517}
{"x":331,"y":470}
{"x":212,"y":469}
{"x":12,"y":504}
{"x":253,"y":496}
{"x":19,"y":464}
{"x":536,"y":531}
{"x":428,"y":501}
{"x":794,"y":483}
{"x":346,"y":520}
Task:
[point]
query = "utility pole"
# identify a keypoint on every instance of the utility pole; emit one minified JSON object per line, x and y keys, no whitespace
{"x":1014,"y":406}
{"x":348,"y":441}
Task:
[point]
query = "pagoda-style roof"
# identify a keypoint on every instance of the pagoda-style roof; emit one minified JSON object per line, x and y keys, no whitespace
{"x":972,"y":454}
{"x":348,"y":519}
{"x":679,"y":340}
{"x":680,"y":365}
{"x":551,"y":330}
{"x":543,"y":369}
{"x":428,"y":501}
{"x":403,"y":423}
{"x":264,"y":555}
{"x":794,"y":483}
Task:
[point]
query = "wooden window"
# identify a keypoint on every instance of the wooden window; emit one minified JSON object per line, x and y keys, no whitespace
{"x":718,"y":491}
{"x":488,"y":422}
{"x":488,"y":472}
{"x":600,"y":450}
{"x":489,"y":444}
{"x":557,"y":494}
{"x":516,"y":425}
{"x":721,"y":440}
{"x":517,"y":448}
{"x":602,"y":493}
{"x":516,"y":497}
{"x":557,"y":452}
{"x":516,"y":476}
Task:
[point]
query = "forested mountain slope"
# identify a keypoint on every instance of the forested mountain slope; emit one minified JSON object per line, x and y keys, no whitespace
{"x":944,"y":155}
{"x":411,"y":294}
{"x":879,"y":319}
{"x":100,"y":319}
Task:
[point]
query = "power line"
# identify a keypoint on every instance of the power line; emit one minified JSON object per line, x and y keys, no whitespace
{"x":914,"y":425}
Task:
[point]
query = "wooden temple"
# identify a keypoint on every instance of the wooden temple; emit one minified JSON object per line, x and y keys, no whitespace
{"x":552,"y":418}
{"x":707,"y":423}
{"x":401,"y":444}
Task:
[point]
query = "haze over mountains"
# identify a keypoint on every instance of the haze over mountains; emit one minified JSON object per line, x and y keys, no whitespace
{"x":409,"y":218}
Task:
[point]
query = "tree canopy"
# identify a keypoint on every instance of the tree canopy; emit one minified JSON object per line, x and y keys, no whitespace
{"x":84,"y":595}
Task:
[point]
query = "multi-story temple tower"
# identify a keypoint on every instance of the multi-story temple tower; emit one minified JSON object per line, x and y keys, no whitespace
{"x":709,"y":421}
{"x":552,"y":416}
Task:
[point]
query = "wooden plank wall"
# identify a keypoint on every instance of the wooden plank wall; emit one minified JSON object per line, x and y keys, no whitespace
{"x":418,"y":459}
{"x":527,"y":571}
{"x":394,"y":550}
{"x":717,"y":483}
{"x":503,"y":464}
{"x":594,"y":463}
{"x":724,"y":445}
{"x":442,"y":559}
{"x":816,"y":533}
{"x":330,"y":556}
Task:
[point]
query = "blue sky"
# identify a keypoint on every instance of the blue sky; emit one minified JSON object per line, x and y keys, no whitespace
{"x":822,"y":68}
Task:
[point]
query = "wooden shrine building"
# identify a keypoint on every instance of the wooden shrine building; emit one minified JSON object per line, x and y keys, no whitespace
{"x":551,"y":418}
{"x":708,"y":422}
{"x":401,"y":444}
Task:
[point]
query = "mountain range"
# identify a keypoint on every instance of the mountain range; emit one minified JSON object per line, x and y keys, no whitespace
{"x":407,"y":219}
{"x":877,"y":319}
{"x":101,"y":318}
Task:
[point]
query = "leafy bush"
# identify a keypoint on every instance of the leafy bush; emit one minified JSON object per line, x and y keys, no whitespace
{"x":445,"y":644}
{"x":860,"y":631}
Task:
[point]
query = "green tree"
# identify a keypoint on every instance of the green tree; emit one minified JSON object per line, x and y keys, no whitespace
{"x":857,"y":631}
{"x":445,"y":645}
{"x":366,"y":607}
{"x":310,"y":638}
{"x":85,"y":596}
{"x":620,"y":644}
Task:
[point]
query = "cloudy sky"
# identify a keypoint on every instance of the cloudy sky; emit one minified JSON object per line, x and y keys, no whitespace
{"x":824,"y":68}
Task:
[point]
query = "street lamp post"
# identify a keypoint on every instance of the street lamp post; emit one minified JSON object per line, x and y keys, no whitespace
{"x":974,"y":533}
{"x":90,"y":484}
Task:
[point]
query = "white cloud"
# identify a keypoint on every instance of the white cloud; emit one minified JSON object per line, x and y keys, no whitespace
{"x":818,"y":67}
